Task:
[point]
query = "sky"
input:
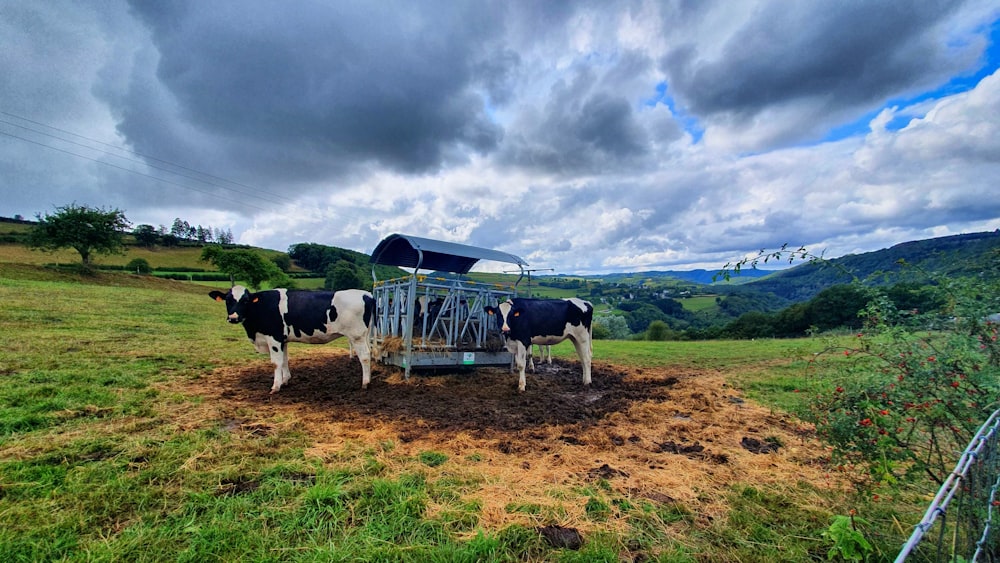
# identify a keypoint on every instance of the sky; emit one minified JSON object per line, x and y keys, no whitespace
{"x":586,"y":137}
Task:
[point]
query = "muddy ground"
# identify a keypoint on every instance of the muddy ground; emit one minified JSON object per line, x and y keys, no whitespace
{"x":662,"y":434}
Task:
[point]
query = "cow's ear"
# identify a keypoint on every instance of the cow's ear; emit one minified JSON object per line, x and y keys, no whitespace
{"x":217,"y":295}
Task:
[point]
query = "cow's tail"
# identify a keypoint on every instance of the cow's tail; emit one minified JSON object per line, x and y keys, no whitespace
{"x":590,"y":331}
{"x":590,"y":328}
{"x":369,"y":309}
{"x":369,"y":317}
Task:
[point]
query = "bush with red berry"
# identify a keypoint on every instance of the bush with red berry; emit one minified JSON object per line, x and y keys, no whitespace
{"x":915,"y":389}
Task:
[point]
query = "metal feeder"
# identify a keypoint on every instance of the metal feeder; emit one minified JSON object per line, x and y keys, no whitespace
{"x":435,"y":322}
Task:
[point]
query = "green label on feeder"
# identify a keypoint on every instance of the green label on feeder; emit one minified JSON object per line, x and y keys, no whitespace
{"x":469,"y":358}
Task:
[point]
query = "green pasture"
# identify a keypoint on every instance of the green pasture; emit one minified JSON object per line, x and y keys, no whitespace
{"x":775,"y":372}
{"x":158,"y":257}
{"x":699,"y":303}
{"x":14,"y":228}
{"x":97,"y":465}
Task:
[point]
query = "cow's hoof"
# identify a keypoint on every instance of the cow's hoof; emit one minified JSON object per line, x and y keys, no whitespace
{"x":273,"y":391}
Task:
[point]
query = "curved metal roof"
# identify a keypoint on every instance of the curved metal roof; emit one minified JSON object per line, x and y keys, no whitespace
{"x":406,"y":251}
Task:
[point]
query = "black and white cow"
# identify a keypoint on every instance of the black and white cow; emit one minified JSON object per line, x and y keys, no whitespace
{"x":524,"y":322}
{"x":275,"y":317}
{"x":426,"y":312}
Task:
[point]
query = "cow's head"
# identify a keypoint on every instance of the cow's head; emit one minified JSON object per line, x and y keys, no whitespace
{"x":237,"y":300}
{"x":492,"y":318}
{"x":504,"y":316}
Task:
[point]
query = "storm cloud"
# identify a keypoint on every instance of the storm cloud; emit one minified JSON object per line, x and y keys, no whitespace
{"x":583,"y":136}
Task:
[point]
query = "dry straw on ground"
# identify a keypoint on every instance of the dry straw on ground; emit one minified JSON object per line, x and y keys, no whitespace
{"x":658,"y":435}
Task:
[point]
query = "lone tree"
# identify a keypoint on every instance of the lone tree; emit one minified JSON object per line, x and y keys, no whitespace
{"x":84,"y":229}
{"x":146,"y":235}
{"x":246,"y":265}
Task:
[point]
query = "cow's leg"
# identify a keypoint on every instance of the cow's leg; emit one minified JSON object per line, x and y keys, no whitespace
{"x":512,"y":348}
{"x":583,"y":350}
{"x":547,"y":353}
{"x":286,"y":374}
{"x":531,"y":359}
{"x":360,"y":346}
{"x":520,"y":358}
{"x":279,"y":357}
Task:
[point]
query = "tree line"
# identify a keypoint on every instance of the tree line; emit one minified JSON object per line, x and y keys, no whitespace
{"x":836,"y":307}
{"x":97,"y":230}
{"x":148,"y":236}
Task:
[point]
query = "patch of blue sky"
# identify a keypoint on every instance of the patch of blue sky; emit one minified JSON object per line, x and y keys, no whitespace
{"x":956,"y":85}
{"x":688,"y":122}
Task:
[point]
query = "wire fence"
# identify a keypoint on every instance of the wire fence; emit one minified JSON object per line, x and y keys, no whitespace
{"x":958,"y":525}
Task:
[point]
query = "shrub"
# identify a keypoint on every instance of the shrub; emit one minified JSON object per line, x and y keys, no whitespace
{"x":911,"y":400}
{"x":140,"y":266}
{"x":907,"y":400}
{"x":658,"y":331}
{"x":610,"y":327}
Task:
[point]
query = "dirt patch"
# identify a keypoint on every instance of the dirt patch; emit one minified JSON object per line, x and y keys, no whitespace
{"x":652,"y":434}
{"x":561,"y":538}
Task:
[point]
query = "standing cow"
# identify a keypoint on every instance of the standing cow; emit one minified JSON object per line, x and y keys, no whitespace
{"x":524,"y":322}
{"x":275,"y":317}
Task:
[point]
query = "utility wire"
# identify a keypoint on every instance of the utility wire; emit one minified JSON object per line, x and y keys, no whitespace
{"x":206,"y":192}
{"x":123,"y":149}
{"x":265,"y":195}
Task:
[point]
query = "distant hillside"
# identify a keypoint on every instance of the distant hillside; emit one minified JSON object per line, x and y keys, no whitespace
{"x":183,"y":255}
{"x":975,"y":254}
{"x":696,"y":276}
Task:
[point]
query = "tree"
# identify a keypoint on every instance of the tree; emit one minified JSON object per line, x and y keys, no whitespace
{"x":658,"y":331}
{"x":752,"y":324}
{"x":639,"y":319}
{"x":224,"y":236}
{"x":611,"y":327}
{"x":245,"y":265}
{"x":282,"y":261}
{"x":203,"y":234}
{"x":837,"y":306}
{"x":180,"y":228}
{"x":84,"y":229}
{"x":342,"y":275}
{"x":146,"y":235}
{"x":139,"y":266}
{"x":913,"y":296}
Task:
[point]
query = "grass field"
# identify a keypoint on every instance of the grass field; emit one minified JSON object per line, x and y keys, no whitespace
{"x":699,"y":303}
{"x":176,"y":257}
{"x":107,"y":452}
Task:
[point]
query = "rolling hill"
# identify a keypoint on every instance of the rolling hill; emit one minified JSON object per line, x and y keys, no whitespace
{"x":975,"y":254}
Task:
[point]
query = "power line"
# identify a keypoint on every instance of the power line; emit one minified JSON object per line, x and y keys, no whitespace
{"x":127,"y":169}
{"x":144,"y":156}
{"x":123,"y":149}
{"x":189,"y":177}
{"x":264,"y":195}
